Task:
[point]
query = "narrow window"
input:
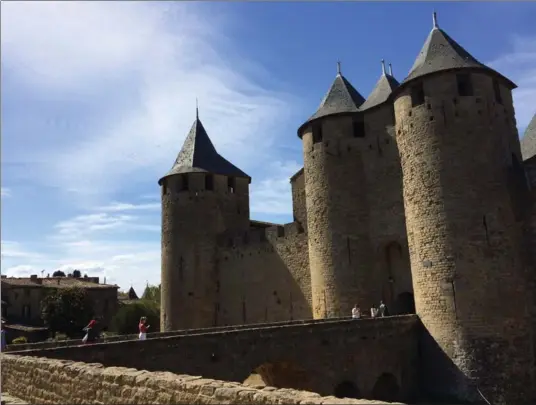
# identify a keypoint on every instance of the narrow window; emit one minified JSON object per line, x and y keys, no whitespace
{"x":184,"y":182}
{"x":465,"y":87}
{"x":317,"y":133}
{"x":417,"y":95}
{"x":164,"y":188}
{"x":359,"y":128}
{"x":231,"y":184}
{"x":209,"y":182}
{"x":497,"y":91}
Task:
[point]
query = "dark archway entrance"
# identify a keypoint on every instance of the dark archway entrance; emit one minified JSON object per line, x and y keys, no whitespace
{"x":405,"y":304}
{"x":386,"y":388}
{"x":346,"y":389}
{"x":280,"y":375}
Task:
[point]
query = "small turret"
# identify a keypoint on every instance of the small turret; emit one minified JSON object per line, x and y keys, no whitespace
{"x":202,"y":195}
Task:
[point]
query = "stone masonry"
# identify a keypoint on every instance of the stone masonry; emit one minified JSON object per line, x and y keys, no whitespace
{"x":47,"y":381}
{"x":382,"y":363}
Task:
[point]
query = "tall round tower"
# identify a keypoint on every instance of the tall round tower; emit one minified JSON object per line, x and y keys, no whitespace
{"x":202,"y":196}
{"x":454,"y":137}
{"x":337,"y":207}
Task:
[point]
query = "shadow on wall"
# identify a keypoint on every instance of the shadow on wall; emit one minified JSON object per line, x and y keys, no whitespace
{"x":386,"y":388}
{"x":346,"y":389}
{"x":404,"y":304}
{"x":281,"y":375}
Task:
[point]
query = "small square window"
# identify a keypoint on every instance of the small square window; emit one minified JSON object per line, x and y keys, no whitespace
{"x":417,"y":95}
{"x":358,"y":128}
{"x":317,"y":133}
{"x":465,"y":86}
{"x":209,"y":182}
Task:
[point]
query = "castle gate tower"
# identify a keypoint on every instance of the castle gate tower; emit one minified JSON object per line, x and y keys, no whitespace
{"x":337,"y":208}
{"x":202,"y":196}
{"x":453,"y":124}
{"x":387,"y":228}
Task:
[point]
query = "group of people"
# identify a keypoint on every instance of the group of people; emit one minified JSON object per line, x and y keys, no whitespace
{"x":91,"y":330}
{"x":381,"y":311}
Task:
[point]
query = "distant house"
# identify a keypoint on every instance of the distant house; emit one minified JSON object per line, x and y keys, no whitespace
{"x":22,"y":296}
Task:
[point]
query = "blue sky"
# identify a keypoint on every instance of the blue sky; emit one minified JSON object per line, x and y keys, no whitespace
{"x":97,"y":98}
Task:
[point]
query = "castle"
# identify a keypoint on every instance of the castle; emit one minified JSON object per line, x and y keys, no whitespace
{"x":417,"y":196}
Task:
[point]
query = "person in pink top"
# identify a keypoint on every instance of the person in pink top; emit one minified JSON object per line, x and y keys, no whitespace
{"x":143,"y":328}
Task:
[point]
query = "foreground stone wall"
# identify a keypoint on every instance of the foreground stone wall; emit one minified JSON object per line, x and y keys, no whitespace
{"x":371,"y":358}
{"x":46,"y":381}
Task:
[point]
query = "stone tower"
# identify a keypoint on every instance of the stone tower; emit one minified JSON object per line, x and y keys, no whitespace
{"x":202,"y":195}
{"x":337,"y":207}
{"x":454,"y":123}
{"x":387,"y":229}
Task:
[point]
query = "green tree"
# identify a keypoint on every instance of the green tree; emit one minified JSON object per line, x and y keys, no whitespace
{"x":152,"y":293}
{"x":128,"y":316}
{"x":77,"y":274}
{"x":67,"y":310}
{"x":58,"y":273}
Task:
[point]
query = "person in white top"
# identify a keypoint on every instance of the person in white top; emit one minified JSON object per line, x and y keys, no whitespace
{"x":382,"y":309}
{"x":356,"y":312}
{"x":373,"y":312}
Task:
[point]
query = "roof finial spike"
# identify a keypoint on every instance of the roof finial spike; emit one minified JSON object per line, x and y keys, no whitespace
{"x":435,"y":20}
{"x":196,"y":109}
{"x":390,"y":69}
{"x":339,"y":67}
{"x":383,"y":67}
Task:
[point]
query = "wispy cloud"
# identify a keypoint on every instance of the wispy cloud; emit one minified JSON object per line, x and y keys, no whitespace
{"x":273,"y":194}
{"x":119,"y":206}
{"x":155,"y":59}
{"x":520,"y":65}
{"x":84,"y":225}
{"x":6,"y":192}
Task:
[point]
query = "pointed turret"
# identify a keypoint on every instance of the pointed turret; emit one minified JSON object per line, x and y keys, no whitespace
{"x":383,"y":89}
{"x":132,"y":294}
{"x":341,"y":98}
{"x":198,"y":154}
{"x":440,"y":52}
{"x":528,"y":142}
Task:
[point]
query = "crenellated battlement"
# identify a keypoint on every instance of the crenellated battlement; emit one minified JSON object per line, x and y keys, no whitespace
{"x":271,"y":234}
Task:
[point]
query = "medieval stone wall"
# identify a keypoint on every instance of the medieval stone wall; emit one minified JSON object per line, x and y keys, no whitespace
{"x":338,"y":219}
{"x":464,"y":240}
{"x":192,"y":216}
{"x":299,"y":208}
{"x":388,"y":236}
{"x":263,"y":276}
{"x":46,"y":381}
{"x":373,"y":357}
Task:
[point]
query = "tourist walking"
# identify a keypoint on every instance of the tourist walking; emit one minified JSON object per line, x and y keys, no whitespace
{"x":143,"y":328}
{"x":90,"y":331}
{"x":356,"y":312}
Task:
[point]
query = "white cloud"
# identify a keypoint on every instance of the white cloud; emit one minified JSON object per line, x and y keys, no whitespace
{"x":138,"y":263}
{"x":88,"y":224}
{"x":273,"y":195}
{"x":119,"y":206}
{"x":10,"y":249}
{"x":161,"y":56}
{"x":520,"y":66}
{"x":5,"y":192}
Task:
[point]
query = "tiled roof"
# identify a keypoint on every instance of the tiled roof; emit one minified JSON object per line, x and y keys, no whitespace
{"x":381,"y":92}
{"x":528,"y":142}
{"x":440,"y":52}
{"x":341,"y":97}
{"x":198,"y":154}
{"x":55,"y":282}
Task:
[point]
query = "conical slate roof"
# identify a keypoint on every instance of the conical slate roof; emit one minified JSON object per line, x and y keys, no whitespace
{"x":132,"y":294}
{"x":440,"y":52}
{"x":381,"y":92}
{"x":198,"y":154}
{"x":528,"y":142}
{"x":341,"y":97}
